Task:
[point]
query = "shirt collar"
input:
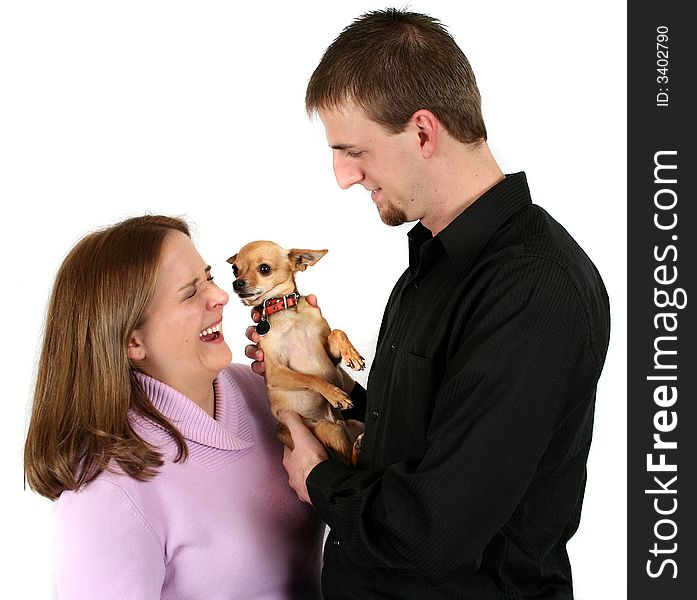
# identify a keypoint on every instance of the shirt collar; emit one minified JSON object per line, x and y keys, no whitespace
{"x":469,"y":232}
{"x":230,"y":432}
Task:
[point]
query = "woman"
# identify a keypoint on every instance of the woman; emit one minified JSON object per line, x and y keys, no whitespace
{"x":162,"y":455}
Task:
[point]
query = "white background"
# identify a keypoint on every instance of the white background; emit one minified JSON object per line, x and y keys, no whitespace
{"x":112,"y":109}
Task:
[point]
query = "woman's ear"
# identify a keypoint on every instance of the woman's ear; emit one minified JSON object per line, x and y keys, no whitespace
{"x":136,"y":349}
{"x":427,"y":126}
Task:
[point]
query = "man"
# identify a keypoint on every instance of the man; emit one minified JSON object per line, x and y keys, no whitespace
{"x":479,"y":405}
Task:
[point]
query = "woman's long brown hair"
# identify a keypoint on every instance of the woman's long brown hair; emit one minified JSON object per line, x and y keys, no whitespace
{"x":85,"y":384}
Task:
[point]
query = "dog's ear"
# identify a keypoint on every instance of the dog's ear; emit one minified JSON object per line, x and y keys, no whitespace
{"x":301,"y":259}
{"x":232,"y":259}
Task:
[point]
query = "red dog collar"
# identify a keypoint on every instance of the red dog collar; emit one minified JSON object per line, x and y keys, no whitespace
{"x":273,"y":305}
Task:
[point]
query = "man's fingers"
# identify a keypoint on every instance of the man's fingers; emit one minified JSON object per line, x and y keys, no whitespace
{"x":291,"y":420}
{"x":252,"y":335}
{"x":295,"y":425}
{"x":256,"y":315}
{"x":311,"y":300}
{"x":287,"y":455}
{"x":355,"y":428}
{"x":252,"y":351}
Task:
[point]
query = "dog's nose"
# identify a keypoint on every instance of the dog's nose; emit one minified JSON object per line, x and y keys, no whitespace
{"x":238,"y":284}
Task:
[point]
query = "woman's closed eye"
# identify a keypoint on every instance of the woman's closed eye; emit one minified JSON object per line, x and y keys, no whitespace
{"x":194,"y":286}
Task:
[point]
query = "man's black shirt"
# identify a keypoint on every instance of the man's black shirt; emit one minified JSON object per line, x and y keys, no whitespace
{"x":478,"y":415}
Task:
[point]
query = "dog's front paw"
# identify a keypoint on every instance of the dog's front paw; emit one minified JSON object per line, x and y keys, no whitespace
{"x":338,"y":398}
{"x":353,"y":360}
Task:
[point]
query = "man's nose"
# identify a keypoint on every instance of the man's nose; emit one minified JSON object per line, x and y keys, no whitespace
{"x":347,"y":172}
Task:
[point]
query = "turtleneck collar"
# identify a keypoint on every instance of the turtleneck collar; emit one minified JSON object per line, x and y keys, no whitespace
{"x":229,"y":431}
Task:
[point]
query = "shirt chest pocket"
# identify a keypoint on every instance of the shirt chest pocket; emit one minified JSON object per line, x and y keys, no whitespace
{"x":411,"y":407}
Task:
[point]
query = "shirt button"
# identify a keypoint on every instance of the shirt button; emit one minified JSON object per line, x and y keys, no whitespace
{"x":336,"y":542}
{"x":415,"y":285}
{"x":393,"y":346}
{"x":376,"y":413}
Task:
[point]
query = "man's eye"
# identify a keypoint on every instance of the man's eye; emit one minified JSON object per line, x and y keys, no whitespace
{"x":353,"y":154}
{"x":264,"y":269}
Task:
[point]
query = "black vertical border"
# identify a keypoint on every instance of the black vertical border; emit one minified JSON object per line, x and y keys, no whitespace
{"x":653,"y":128}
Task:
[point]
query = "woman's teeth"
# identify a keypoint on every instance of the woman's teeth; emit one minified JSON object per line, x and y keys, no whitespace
{"x":212,"y":329}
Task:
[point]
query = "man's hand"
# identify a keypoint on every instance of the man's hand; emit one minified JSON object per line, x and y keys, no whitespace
{"x":355,"y":428}
{"x":252,"y":350}
{"x":306,"y":455}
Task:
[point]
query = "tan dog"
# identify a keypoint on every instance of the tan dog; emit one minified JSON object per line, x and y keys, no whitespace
{"x":301,"y":352}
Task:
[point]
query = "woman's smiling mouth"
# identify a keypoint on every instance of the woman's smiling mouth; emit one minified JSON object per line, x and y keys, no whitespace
{"x":211,"y":333}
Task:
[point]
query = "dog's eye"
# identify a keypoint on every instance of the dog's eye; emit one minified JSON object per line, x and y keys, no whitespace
{"x":235,"y":270}
{"x":264,"y":269}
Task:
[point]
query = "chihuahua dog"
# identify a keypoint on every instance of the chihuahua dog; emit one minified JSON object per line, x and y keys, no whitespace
{"x":301,"y":353}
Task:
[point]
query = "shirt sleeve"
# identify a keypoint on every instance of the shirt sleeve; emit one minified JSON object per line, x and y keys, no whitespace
{"x":104,"y":547}
{"x":522,"y":370}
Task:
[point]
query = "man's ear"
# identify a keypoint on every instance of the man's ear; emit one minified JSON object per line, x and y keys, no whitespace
{"x":136,"y":349}
{"x":428,"y":127}
{"x":301,"y":259}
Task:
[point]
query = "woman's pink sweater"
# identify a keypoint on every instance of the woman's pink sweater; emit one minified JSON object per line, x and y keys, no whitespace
{"x":223,"y":524}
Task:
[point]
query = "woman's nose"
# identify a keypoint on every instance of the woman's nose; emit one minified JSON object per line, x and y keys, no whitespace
{"x":217,"y":296}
